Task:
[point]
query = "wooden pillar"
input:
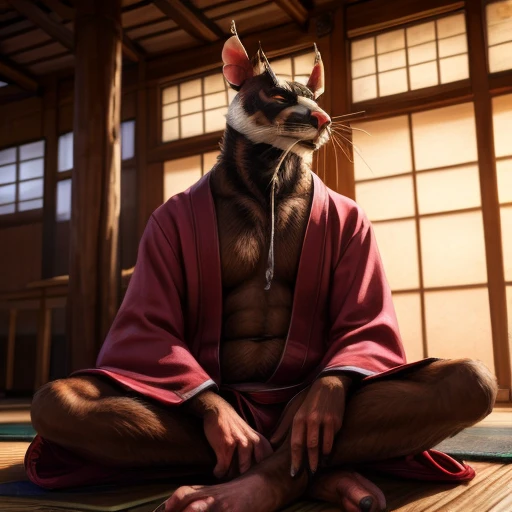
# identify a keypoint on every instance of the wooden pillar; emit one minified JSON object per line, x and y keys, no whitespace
{"x":94,"y":256}
{"x":489,"y":190}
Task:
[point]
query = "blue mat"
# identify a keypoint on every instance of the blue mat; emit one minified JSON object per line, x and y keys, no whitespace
{"x":16,"y":432}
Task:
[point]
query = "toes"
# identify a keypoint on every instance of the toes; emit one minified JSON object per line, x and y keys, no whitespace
{"x":375,"y":491}
{"x":359,"y":494}
{"x":202,"y":505}
{"x":180,"y":500}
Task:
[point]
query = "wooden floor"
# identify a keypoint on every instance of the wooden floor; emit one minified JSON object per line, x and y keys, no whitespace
{"x":490,"y":491}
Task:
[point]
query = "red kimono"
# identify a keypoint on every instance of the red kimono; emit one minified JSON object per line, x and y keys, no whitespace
{"x":164,"y":342}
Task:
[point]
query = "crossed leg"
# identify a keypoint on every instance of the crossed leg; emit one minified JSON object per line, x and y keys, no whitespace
{"x":385,"y":419}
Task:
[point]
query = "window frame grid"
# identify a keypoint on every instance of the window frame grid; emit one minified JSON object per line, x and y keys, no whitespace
{"x":489,"y":46}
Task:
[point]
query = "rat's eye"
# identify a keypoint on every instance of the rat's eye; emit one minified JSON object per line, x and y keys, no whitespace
{"x":279,"y":98}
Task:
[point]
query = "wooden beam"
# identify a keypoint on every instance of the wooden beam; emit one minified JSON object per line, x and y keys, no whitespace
{"x":132,"y":50}
{"x":39,"y":18}
{"x":94,"y":257}
{"x":295,"y":10}
{"x":489,"y":189}
{"x":190,"y":19}
{"x":64,"y":11}
{"x":15,"y":74}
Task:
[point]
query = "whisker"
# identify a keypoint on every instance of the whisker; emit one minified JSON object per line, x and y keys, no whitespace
{"x":336,"y":160}
{"x":350,"y":128}
{"x":350,"y":115}
{"x":358,"y":152}
{"x":343,"y":149}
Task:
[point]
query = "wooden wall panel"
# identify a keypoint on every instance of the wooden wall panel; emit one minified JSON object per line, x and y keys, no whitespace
{"x":20,"y":121}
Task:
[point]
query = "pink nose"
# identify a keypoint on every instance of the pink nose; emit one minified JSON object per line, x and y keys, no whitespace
{"x":322,"y":118}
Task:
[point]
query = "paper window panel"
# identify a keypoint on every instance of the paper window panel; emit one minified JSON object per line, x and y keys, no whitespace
{"x":231,"y":94}
{"x":170,"y":130}
{"x":282,"y":67}
{"x":190,"y":89}
{"x":451,"y":26}
{"x":216,"y":100}
{"x":170,"y":95}
{"x":453,"y":250}
{"x":7,"y":156}
{"x":303,"y":64}
{"x":7,"y":174}
{"x":7,"y":194}
{"x":500,"y":57}
{"x":170,"y":111}
{"x":191,"y":125}
{"x":215,"y":119}
{"x":391,"y":198}
{"x":387,"y":151}
{"x":453,"y":45}
{"x":391,"y":60}
{"x":444,"y":136}
{"x":209,"y":160}
{"x":127,"y":140}
{"x":393,"y":82}
{"x":509,"y":313}
{"x":32,"y":169}
{"x":63,"y":212}
{"x":390,"y":41}
{"x":191,"y":106}
{"x":363,"y":48}
{"x":32,"y":150}
{"x":30,"y":189}
{"x":504,"y":172}
{"x":422,"y":53}
{"x":399,"y":251}
{"x":180,"y":174}
{"x":214,"y":83}
{"x":408,"y":312}
{"x":419,"y":34}
{"x":363,"y":67}
{"x":448,"y":190}
{"x":65,"y":150}
{"x":423,"y":75}
{"x":7,"y":208}
{"x":454,"y":68}
{"x":506,"y":236}
{"x":502,"y":124}
{"x":459,"y":325}
{"x":364,"y":88}
{"x":30,"y":205}
{"x":499,"y":22}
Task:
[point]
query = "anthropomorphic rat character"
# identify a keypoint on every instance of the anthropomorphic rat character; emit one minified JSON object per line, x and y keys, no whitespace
{"x":257,"y":343}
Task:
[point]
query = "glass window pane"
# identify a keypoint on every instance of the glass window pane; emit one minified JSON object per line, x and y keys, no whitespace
{"x":506,"y":235}
{"x":191,"y":106}
{"x":364,"y":88}
{"x":387,"y":151}
{"x":63,"y":200}
{"x":504,"y":171}
{"x":390,"y":198}
{"x":500,"y":57}
{"x":502,"y":123}
{"x":363,"y":67}
{"x":444,"y":136}
{"x":363,"y":48}
{"x":170,"y":130}
{"x":8,"y":174}
{"x":453,"y":45}
{"x":422,"y":53}
{"x":170,"y":111}
{"x":180,"y":174}
{"x":423,"y":75}
{"x":65,"y":152}
{"x":32,"y":169}
{"x":7,"y":208}
{"x":392,"y":60}
{"x":459,"y":325}
{"x":421,"y":33}
{"x":282,"y":67}
{"x":303,"y":64}
{"x":32,"y":150}
{"x":170,"y":94}
{"x":209,"y":160}
{"x":127,"y":140}
{"x":191,"y":125}
{"x":30,"y":205}
{"x":399,"y":250}
{"x":499,"y":23}
{"x":215,"y":119}
{"x":218,"y":99}
{"x":451,"y":26}
{"x":32,"y":189}
{"x":454,"y":68}
{"x":453,"y":250}
{"x":190,"y":89}
{"x":408,"y":312}
{"x":7,"y":194}
{"x":7,"y":156}
{"x":393,"y":82}
{"x":390,"y":41}
{"x":448,"y":190}
{"x":214,"y":83}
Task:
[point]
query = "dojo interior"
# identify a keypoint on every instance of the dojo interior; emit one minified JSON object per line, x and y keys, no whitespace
{"x":107,"y":109}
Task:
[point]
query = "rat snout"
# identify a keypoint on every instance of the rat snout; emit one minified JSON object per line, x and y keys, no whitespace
{"x":322,"y":119}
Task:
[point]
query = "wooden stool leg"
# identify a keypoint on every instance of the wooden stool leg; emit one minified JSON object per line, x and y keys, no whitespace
{"x":11,"y":341}
{"x":43,"y":345}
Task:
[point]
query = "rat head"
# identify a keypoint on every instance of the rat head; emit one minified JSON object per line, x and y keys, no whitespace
{"x":272,"y":111}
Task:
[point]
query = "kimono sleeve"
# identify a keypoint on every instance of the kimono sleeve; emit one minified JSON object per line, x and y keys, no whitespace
{"x":146,"y":349}
{"x":364,"y":338}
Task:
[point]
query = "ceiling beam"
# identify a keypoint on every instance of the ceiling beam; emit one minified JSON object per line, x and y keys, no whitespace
{"x":190,"y":19}
{"x":62,"y":34}
{"x":14,"y":74}
{"x":295,"y":10}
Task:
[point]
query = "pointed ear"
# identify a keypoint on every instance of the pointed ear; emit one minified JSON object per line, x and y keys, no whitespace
{"x":316,"y":80}
{"x":237,"y":65}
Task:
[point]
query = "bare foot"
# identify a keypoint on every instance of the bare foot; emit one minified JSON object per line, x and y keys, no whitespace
{"x":351,"y":491}
{"x":255,"y":491}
